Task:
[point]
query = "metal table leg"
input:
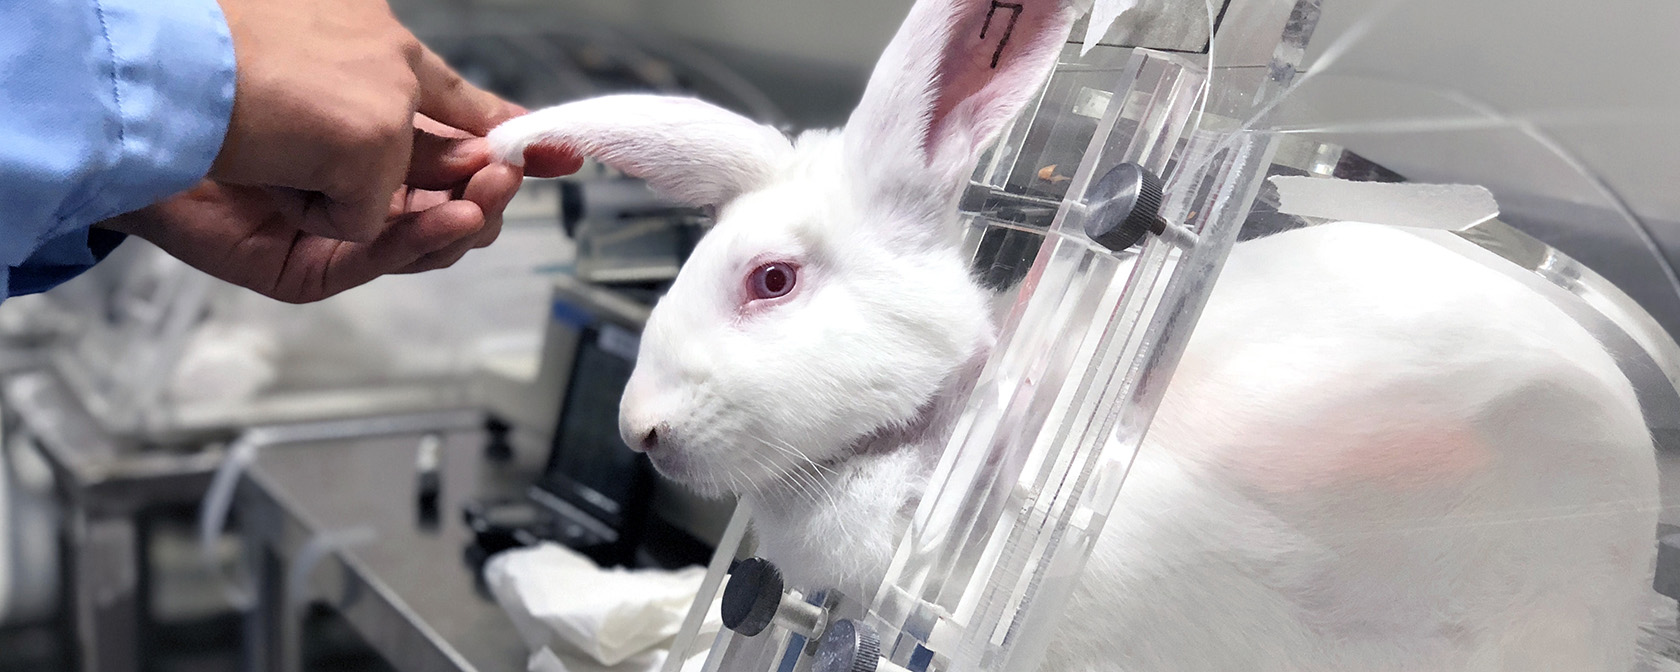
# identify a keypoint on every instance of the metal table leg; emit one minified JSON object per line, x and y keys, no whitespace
{"x":273,"y":623}
{"x":105,"y":597}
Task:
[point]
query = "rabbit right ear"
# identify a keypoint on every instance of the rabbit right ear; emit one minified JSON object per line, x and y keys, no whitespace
{"x":687,"y":149}
{"x":952,"y":78}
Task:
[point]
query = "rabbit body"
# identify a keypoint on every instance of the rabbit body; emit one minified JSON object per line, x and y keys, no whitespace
{"x":1375,"y":455}
{"x":1378,"y":455}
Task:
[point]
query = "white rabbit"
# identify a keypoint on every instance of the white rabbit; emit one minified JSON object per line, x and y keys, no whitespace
{"x":1376,"y":455}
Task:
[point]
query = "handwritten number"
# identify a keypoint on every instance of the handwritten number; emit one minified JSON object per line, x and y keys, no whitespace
{"x":1014,"y":15}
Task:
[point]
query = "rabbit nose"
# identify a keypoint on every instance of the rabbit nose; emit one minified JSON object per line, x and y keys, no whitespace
{"x":650,"y":440}
{"x":645,"y":438}
{"x":638,"y":416}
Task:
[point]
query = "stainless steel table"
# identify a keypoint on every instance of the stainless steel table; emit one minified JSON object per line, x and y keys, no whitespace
{"x":105,"y":483}
{"x":338,"y":522}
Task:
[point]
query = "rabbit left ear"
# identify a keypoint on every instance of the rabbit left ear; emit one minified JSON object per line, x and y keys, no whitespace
{"x":955,"y":74}
{"x":687,"y":149}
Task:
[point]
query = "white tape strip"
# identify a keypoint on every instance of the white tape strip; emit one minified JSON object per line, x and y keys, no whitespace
{"x":1449,"y":207}
{"x":1103,"y":14}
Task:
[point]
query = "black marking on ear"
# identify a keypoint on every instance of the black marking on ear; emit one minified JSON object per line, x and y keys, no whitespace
{"x":1014,"y":15}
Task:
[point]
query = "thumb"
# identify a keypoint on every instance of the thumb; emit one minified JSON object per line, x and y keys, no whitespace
{"x":442,"y":163}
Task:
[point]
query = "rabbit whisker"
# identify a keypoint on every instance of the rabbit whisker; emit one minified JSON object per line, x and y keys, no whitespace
{"x":788,"y":479}
{"x":798,"y":472}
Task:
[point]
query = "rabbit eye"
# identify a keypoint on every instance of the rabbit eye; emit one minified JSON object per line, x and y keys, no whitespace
{"x":771,"y":280}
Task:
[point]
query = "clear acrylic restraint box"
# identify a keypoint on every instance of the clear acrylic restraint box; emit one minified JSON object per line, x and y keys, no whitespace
{"x":1090,"y":334}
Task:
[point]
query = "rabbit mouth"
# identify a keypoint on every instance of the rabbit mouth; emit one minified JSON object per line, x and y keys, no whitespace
{"x":676,"y":466}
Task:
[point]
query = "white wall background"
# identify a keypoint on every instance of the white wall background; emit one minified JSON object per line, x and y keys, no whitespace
{"x":1606,"y":72}
{"x":1600,"y":77}
{"x":842,"y":33}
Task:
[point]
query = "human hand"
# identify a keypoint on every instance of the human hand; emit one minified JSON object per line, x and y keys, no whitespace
{"x":255,"y":237}
{"x":324,"y":114}
{"x":328,"y":177}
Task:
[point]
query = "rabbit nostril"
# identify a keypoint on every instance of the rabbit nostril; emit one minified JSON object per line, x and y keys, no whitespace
{"x":650,"y":441}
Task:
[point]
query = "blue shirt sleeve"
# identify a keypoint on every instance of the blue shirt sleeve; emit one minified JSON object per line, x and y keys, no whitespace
{"x":106,"y":106}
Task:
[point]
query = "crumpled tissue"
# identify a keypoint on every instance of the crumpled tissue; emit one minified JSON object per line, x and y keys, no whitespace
{"x":578,"y":617}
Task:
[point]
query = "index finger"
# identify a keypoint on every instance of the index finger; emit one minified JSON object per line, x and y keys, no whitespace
{"x":448,"y":98}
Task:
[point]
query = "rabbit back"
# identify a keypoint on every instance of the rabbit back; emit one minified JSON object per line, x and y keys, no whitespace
{"x":1377,"y":455}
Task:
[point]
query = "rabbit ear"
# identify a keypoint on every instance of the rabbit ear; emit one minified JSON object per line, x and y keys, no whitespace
{"x":687,"y":149}
{"x":953,"y":76}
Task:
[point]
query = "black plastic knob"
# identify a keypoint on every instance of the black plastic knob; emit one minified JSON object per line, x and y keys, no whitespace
{"x":1125,"y":205}
{"x":848,"y":646}
{"x":752,"y":597}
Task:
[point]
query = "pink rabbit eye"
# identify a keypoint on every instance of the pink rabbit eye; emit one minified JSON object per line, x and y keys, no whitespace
{"x":771,"y":280}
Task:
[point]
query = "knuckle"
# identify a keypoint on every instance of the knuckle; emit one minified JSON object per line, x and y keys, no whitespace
{"x":373,"y":135}
{"x":355,"y":133}
{"x":409,"y":47}
{"x":394,"y":130}
{"x":450,"y":84}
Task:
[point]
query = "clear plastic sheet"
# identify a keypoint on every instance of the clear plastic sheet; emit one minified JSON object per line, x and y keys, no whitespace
{"x":160,"y":350}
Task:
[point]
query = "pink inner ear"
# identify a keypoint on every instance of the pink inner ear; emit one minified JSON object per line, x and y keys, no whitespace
{"x":551,"y":161}
{"x":989,"y":64}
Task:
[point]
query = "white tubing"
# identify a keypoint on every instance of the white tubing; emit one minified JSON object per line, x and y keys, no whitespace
{"x":212,"y":518}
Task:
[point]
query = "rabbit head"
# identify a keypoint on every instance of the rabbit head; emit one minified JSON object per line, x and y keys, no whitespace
{"x":829,"y":306}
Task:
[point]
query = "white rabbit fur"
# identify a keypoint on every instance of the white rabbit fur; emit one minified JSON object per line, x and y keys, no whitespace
{"x":1375,"y":455}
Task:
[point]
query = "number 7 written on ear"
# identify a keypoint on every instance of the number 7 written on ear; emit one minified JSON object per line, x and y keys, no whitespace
{"x":1014,"y":15}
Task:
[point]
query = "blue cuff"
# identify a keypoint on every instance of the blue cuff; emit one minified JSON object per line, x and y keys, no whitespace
{"x":58,"y":260}
{"x":174,"y":76}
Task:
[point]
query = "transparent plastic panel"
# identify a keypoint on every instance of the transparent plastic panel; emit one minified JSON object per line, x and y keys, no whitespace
{"x":1088,"y":339}
{"x":1557,"y":111}
{"x":1566,"y":209}
{"x":1032,"y":471}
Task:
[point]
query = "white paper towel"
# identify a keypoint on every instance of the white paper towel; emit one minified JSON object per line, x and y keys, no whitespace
{"x":577,"y":617}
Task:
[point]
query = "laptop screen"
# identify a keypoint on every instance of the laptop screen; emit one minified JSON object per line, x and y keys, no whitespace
{"x":589,"y":466}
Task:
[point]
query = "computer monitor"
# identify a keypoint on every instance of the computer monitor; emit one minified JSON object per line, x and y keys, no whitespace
{"x":592,"y":479}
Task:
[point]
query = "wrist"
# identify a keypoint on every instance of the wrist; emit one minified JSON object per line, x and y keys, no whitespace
{"x":128,"y":223}
{"x":226,"y":153}
{"x":173,"y":68}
